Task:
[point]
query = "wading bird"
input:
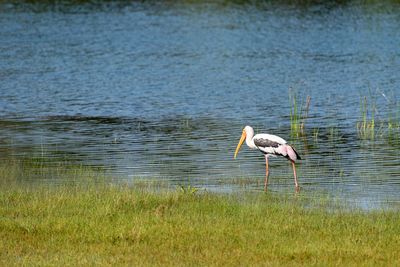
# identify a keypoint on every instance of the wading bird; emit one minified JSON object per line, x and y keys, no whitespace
{"x":269,"y":145}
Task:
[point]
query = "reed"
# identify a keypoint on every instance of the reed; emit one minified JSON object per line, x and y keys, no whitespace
{"x":298,"y":114}
{"x":393,"y":130}
{"x":370,"y":128}
{"x":334,"y":136}
{"x":366,"y":124}
{"x":316,"y":135}
{"x":393,"y":124}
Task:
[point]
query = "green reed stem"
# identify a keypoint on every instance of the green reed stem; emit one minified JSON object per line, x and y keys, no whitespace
{"x":298,"y":116}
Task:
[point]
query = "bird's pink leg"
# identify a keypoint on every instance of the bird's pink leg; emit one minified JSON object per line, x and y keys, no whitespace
{"x":266,"y":173}
{"x":295,"y":177}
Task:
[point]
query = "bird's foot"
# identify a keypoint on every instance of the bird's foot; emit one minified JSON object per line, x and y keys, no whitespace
{"x":297,"y":189}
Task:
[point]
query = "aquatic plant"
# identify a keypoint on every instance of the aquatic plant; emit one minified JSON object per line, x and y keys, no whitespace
{"x":298,"y":114}
{"x":189,"y":189}
{"x":315,"y":134}
{"x":370,"y":128}
{"x":15,"y":171}
{"x":393,"y":123}
{"x":393,"y":130}
{"x":366,"y":125}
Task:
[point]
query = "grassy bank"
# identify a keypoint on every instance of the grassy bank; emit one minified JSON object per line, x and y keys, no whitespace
{"x":118,"y":225}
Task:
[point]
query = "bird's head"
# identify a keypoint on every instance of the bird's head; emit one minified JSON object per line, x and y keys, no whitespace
{"x":242,"y":138}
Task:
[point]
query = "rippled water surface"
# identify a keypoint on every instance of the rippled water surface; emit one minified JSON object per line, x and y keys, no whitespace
{"x":162,"y":90}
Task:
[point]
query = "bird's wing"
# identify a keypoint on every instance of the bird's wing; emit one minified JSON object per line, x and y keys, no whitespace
{"x":270,"y":138}
{"x":270,"y":144}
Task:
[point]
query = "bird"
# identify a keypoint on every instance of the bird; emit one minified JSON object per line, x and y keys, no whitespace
{"x":269,"y":145}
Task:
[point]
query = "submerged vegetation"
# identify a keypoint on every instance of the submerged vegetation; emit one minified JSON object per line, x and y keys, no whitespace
{"x":17,"y":172}
{"x":98,"y":223}
{"x":368,"y":127}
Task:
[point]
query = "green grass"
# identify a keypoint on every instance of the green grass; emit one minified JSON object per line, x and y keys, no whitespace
{"x":94,"y":222}
{"x":119,"y":225}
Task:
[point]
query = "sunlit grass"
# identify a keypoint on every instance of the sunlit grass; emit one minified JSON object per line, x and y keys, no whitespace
{"x":117,"y":225}
{"x":102,"y":223}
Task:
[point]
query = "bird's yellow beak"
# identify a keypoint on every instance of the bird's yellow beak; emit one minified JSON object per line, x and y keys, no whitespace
{"x":242,"y":138}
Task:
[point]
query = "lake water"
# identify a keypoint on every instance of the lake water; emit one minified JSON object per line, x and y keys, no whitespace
{"x":162,"y":90}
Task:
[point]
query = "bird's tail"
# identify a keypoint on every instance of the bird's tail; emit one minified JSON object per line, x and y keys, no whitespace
{"x":292,"y":153}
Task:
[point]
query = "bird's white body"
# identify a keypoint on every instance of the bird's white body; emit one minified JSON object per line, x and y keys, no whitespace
{"x":269,"y":145}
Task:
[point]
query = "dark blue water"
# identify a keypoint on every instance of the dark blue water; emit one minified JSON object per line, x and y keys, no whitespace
{"x":162,"y":90}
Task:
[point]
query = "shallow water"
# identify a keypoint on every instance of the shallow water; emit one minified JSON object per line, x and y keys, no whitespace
{"x":162,"y":90}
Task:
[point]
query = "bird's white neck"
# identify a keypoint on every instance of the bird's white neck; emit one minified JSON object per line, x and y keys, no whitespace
{"x":249,"y":137}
